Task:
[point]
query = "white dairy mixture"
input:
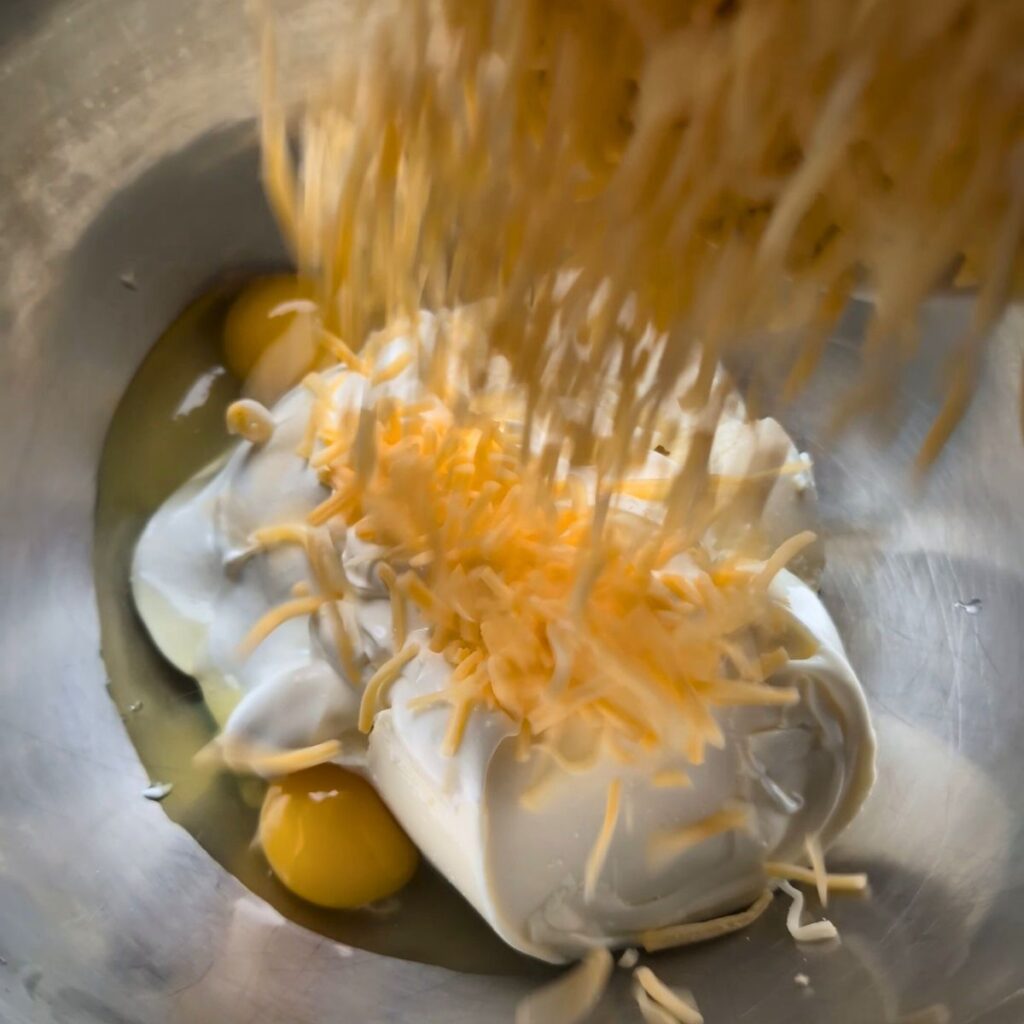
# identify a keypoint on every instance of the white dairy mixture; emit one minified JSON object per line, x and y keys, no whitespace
{"x":803,"y":769}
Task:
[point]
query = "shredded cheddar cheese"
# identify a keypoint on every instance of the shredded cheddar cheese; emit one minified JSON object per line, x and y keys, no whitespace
{"x":665,"y":845}
{"x":383,"y":374}
{"x":545,"y":600}
{"x":546,"y":607}
{"x":378,"y":683}
{"x":293,"y":609}
{"x":671,"y":780}
{"x":599,"y":852}
{"x":812,"y":844}
{"x":532,"y":798}
{"x":805,"y":876}
{"x":243,"y":757}
{"x":397,"y":599}
{"x":690,"y":933}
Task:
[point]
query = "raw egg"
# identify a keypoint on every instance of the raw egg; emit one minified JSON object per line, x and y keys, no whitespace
{"x":331,"y":840}
{"x":270,"y":335}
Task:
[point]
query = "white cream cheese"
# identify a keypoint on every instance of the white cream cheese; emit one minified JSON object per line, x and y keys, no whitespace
{"x":516,"y":849}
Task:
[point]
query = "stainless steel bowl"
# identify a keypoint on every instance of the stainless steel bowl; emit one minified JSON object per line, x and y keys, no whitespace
{"x":127,"y":181}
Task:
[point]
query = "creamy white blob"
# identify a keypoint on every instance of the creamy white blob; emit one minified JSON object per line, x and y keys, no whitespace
{"x":513,"y":836}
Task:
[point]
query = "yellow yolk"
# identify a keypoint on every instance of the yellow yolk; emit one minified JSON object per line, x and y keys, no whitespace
{"x":269,"y":339}
{"x":330,"y":839}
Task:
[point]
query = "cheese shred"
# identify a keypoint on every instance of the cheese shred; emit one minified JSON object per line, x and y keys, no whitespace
{"x":243,"y":757}
{"x":805,"y":876}
{"x":688,"y":934}
{"x":680,"y":1006}
{"x":293,"y":609}
{"x":816,"y":856}
{"x":814,"y":931}
{"x":665,"y":845}
{"x":599,"y":852}
{"x":570,"y":997}
{"x":397,"y":599}
{"x":378,"y":683}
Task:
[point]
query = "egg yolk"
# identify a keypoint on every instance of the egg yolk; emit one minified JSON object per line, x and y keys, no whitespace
{"x":330,"y":839}
{"x":268,"y":311}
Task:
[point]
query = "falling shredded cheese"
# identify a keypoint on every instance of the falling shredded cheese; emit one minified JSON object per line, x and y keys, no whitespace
{"x":398,"y":619}
{"x":622,"y":172}
{"x":428,"y":177}
{"x":337,"y":348}
{"x":389,"y":372}
{"x":671,"y":843}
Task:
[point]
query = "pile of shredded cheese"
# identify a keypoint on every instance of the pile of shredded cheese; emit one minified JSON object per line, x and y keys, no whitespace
{"x":549,"y":604}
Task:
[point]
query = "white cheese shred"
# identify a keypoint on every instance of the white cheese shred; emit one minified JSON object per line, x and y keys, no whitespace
{"x":250,"y":420}
{"x":805,"y":876}
{"x":814,"y":931}
{"x":629,"y":959}
{"x":239,"y":756}
{"x":666,"y":845}
{"x":293,"y":609}
{"x":681,"y":1006}
{"x":571,"y":997}
{"x":674,"y":936}
{"x":652,"y":1012}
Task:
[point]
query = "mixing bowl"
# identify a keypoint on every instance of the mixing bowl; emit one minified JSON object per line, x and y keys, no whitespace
{"x":128,"y":181}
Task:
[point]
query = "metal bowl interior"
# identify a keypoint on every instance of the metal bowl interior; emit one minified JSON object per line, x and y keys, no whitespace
{"x":127,"y":183}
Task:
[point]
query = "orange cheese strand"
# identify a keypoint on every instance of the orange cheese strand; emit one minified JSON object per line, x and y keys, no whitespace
{"x":266,"y":625}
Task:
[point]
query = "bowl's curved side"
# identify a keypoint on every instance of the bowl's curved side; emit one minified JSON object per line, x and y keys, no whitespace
{"x":109,"y":912}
